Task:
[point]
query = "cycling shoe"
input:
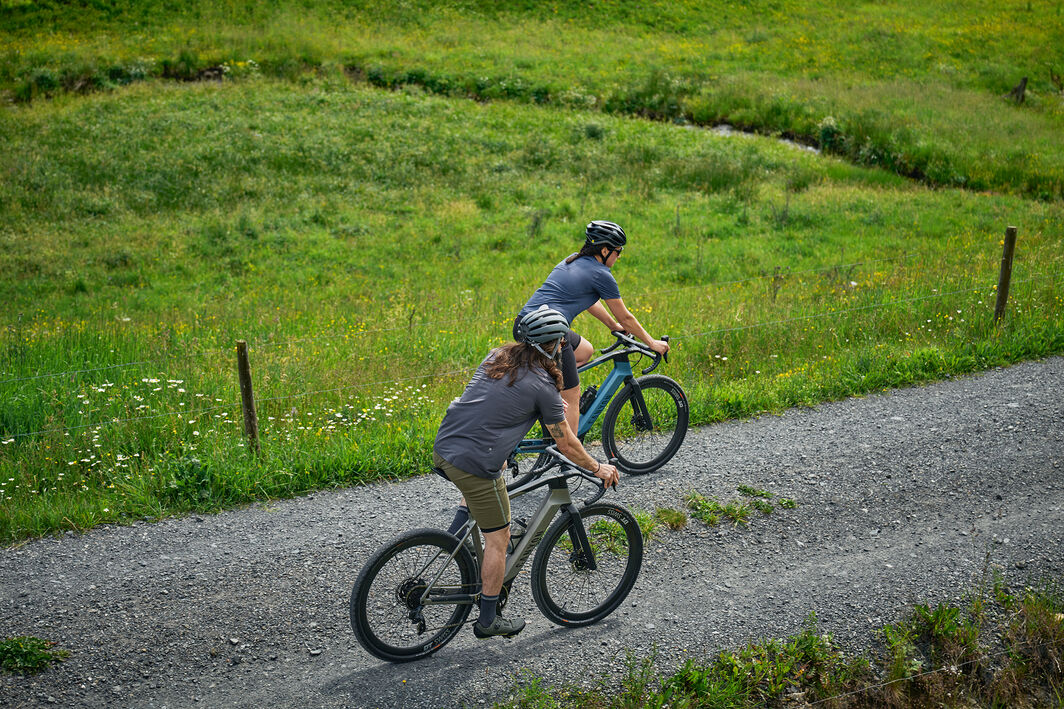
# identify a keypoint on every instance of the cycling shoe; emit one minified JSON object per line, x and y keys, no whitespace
{"x":500,"y":626}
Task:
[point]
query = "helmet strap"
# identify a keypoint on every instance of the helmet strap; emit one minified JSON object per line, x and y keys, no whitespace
{"x":557,"y":350}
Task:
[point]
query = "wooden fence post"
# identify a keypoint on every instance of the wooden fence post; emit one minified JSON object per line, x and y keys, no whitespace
{"x":1005,"y":277}
{"x":247,"y":396}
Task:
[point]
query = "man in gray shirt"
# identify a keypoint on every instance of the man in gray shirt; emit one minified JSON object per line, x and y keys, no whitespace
{"x":516,"y":385}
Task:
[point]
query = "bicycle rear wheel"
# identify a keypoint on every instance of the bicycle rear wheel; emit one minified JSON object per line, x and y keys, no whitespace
{"x":642,"y":444}
{"x":387,"y":614}
{"x":565,"y":588}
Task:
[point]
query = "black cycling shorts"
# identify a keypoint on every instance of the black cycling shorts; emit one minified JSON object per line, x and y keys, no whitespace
{"x":570,"y":377}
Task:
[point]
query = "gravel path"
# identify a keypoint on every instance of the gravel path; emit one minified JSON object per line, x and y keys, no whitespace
{"x":902,"y":496}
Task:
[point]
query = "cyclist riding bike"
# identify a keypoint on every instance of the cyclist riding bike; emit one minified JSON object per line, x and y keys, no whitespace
{"x":515,"y":386}
{"x":580,"y":283}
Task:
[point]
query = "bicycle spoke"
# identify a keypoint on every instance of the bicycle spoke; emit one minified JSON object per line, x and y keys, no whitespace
{"x":388,"y":615}
{"x":569,"y":592}
{"x":643,"y":439}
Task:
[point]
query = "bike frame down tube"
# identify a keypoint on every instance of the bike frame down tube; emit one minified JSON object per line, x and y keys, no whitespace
{"x":621,"y":372}
{"x":557,"y":499}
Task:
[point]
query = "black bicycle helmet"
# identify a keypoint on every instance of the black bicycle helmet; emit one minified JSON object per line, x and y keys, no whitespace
{"x":541,"y":326}
{"x":608,"y":234}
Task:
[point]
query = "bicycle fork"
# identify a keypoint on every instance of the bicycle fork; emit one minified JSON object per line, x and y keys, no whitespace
{"x":641,"y":415}
{"x":582,"y":557}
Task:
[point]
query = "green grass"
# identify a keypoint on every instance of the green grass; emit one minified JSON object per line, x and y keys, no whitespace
{"x":915,"y":88}
{"x":711,"y":512}
{"x":672,"y":518}
{"x":1001,"y":649}
{"x":372,"y":246}
{"x":28,"y":655}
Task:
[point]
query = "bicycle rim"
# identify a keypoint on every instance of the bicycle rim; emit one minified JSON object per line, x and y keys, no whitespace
{"x":386,"y":613}
{"x":564,"y":588}
{"x":642,"y":445}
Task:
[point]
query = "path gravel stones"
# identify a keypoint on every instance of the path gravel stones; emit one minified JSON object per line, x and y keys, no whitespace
{"x":903,"y":497}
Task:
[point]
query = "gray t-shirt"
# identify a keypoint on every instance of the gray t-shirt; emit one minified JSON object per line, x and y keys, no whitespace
{"x":572,"y":288}
{"x":481,"y":429}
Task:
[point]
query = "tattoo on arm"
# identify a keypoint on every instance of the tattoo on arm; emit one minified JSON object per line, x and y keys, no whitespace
{"x":581,"y":457}
{"x":555,"y":430}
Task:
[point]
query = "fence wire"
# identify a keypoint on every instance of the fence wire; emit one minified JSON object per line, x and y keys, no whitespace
{"x":450,"y":321}
{"x":782,"y":321}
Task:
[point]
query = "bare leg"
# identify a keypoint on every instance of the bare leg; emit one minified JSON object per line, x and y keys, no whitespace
{"x":583,"y":353}
{"x":494,"y":561}
{"x":571,"y":397}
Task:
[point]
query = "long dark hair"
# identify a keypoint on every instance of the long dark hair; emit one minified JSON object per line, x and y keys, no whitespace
{"x":587,"y":250}
{"x":511,"y":359}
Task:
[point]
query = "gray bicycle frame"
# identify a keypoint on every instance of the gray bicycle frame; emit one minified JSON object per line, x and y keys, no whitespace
{"x":557,"y":499}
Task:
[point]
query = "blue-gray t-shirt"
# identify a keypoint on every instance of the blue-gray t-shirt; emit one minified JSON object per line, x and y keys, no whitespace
{"x":572,"y":288}
{"x":481,"y":429}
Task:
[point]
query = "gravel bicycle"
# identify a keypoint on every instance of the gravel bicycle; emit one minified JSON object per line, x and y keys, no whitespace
{"x":415,"y":593}
{"x":643,"y":427}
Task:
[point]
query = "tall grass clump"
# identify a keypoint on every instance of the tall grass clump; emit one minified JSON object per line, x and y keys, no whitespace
{"x":1000,"y":649}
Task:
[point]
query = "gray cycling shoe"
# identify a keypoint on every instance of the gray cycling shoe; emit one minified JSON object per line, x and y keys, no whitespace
{"x":500,"y":626}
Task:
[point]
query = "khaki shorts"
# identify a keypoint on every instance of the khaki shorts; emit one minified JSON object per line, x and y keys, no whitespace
{"x":487,"y":499}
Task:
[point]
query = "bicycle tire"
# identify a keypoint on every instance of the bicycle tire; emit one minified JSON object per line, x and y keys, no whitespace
{"x":384,"y":597}
{"x":564,"y":590}
{"x":643,"y":447}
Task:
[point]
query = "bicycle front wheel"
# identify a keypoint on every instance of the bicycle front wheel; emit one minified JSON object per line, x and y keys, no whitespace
{"x":389,"y":612}
{"x":565,"y":588}
{"x":643,"y":437}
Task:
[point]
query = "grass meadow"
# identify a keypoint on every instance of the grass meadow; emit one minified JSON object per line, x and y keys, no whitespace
{"x":371,"y":245}
{"x":914,"y":88}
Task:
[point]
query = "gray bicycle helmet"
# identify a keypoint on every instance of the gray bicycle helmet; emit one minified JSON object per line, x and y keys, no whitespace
{"x":608,"y":234}
{"x":541,"y":326}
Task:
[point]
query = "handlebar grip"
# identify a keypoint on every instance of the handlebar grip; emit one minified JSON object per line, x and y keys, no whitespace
{"x":665,"y":339}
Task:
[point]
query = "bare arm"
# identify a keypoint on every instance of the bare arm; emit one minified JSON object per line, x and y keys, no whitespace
{"x":631,"y":324}
{"x":603,"y":316}
{"x":572,"y":449}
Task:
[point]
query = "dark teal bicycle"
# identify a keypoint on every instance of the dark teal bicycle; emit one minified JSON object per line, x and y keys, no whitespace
{"x":645,"y":418}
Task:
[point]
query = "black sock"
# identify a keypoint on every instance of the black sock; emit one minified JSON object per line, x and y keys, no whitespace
{"x":460,"y":518}
{"x":488,"y":606}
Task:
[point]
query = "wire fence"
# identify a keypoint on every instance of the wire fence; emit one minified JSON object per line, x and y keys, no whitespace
{"x":168,"y":358}
{"x":165,"y":359}
{"x":367,"y":385}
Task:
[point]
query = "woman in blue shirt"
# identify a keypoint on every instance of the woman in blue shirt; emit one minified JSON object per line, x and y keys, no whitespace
{"x":581,"y":282}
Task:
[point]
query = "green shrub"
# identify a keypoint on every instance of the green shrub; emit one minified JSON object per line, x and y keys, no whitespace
{"x":29,"y":655}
